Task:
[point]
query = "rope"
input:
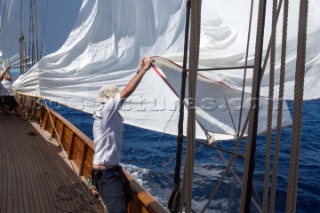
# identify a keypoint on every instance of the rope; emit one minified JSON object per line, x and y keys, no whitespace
{"x":280,"y":108}
{"x":84,"y":189}
{"x":250,"y":146}
{"x":263,"y":69}
{"x":173,"y":204}
{"x":44,"y":27}
{"x":21,"y":39}
{"x":75,"y":194}
{"x":194,"y":59}
{"x":234,"y":175}
{"x":270,"y":109}
{"x":4,"y":14}
{"x":171,"y":208}
{"x":241,"y":109}
{"x":36,"y":29}
{"x":255,"y":203}
{"x":298,"y":102}
{"x":213,"y":194}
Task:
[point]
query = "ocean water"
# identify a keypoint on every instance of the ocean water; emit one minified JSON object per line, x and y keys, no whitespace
{"x":150,"y":157}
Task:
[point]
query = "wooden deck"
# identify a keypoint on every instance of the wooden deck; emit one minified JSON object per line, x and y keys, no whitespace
{"x":35,"y":176}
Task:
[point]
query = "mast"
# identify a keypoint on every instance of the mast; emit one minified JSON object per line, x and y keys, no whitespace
{"x":31,"y":35}
{"x":21,"y":40}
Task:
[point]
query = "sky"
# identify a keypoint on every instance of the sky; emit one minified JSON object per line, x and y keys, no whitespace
{"x":59,"y":21}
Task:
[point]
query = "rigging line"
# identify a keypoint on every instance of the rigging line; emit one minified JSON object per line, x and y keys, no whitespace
{"x":21,"y":16}
{"x":234,"y":157}
{"x":220,"y":182}
{"x":255,"y":203}
{"x":224,"y":68}
{"x":149,"y":167}
{"x":65,"y":153}
{"x":264,"y":67}
{"x":255,"y":114}
{"x":280,"y":108}
{"x":270,"y":109}
{"x":292,"y":188}
{"x":34,"y":33}
{"x":240,"y":144}
{"x":216,"y":188}
{"x":214,"y":146}
{"x":44,"y":27}
{"x":249,"y":163}
{"x":21,"y":38}
{"x":269,"y":44}
{"x":4,"y":14}
{"x":10,"y":46}
{"x":174,"y":200}
{"x":186,"y":197}
{"x":241,"y":105}
{"x":30,"y":37}
{"x":25,"y":58}
{"x":36,"y":29}
{"x":228,"y":107}
{"x":154,"y":150}
{"x":209,"y":137}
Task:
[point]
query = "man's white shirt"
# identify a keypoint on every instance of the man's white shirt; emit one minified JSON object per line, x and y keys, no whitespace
{"x":107,"y":132}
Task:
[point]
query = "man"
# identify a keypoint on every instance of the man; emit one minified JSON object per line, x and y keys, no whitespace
{"x":6,"y":96}
{"x":4,"y":72}
{"x":107,"y":175}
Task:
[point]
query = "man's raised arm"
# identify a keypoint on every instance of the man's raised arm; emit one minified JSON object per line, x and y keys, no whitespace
{"x":145,"y":64}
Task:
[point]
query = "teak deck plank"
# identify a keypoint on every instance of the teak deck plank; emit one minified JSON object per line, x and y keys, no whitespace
{"x":32,"y":169}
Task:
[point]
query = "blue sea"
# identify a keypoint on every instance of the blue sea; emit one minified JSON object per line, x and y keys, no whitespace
{"x":150,"y":157}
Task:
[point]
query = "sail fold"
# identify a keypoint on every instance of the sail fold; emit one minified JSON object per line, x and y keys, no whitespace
{"x":109,"y":38}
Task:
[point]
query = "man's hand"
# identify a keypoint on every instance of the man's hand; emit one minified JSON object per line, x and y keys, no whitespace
{"x":141,"y":63}
{"x":145,"y":63}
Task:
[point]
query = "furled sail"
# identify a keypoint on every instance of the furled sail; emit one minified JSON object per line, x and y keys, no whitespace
{"x":109,"y":37}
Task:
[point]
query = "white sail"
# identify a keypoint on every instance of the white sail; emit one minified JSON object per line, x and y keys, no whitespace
{"x":109,"y":37}
{"x":218,"y":106}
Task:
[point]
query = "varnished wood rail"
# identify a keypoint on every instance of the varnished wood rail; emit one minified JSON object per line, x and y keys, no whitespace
{"x":80,"y":149}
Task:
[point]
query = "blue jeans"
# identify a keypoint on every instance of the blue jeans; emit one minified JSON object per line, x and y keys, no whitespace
{"x":113,"y":189}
